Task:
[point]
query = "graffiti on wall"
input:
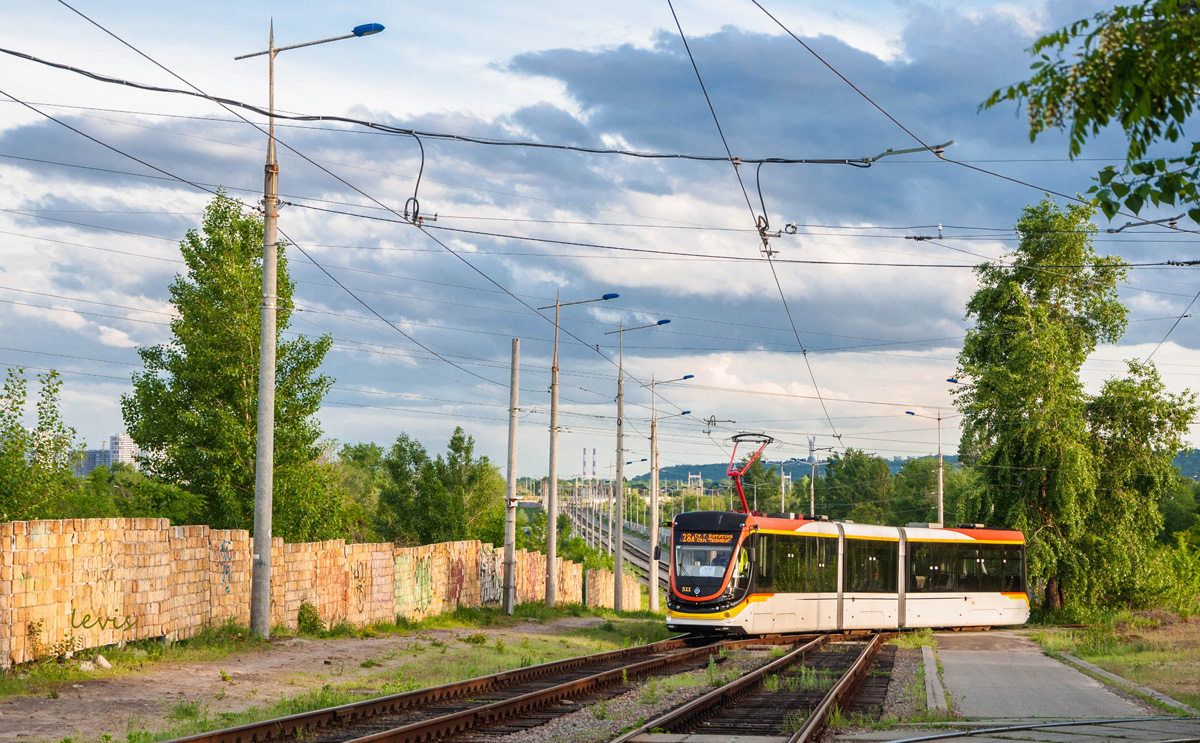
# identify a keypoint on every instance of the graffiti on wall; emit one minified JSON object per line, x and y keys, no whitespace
{"x":102,"y":622}
{"x":225,"y":564}
{"x":454,"y":586}
{"x":490,"y":583}
{"x":359,"y":579}
{"x":423,"y":582}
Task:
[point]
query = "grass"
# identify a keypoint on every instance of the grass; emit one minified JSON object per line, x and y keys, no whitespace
{"x":409,"y":668}
{"x":47,"y":675}
{"x":1143,"y":648}
{"x":916,"y":639}
{"x":219,"y":642}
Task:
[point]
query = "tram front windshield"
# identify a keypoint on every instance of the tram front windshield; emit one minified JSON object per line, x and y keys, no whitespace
{"x":703,"y":555}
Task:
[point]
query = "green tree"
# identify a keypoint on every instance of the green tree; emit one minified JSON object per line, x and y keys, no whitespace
{"x":1024,"y":421}
{"x":121,"y":490}
{"x":963,"y":495}
{"x":866,"y":513}
{"x":36,"y":466}
{"x":1136,"y":428}
{"x":413,"y":506}
{"x":425,"y":500}
{"x":853,"y":478}
{"x":474,"y":486}
{"x":193,"y":408}
{"x":361,"y":477}
{"x":914,"y":493}
{"x":1135,"y":66}
{"x":761,"y":483}
{"x":1178,"y":506}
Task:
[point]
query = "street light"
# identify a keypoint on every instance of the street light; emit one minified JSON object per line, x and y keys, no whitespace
{"x":552,"y":496}
{"x":652,"y":527}
{"x":264,"y":462}
{"x":620,"y":538}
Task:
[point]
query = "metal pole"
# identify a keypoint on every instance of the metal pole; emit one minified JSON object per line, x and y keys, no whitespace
{"x":782,"y":494}
{"x":510,"y":512}
{"x":264,"y":457}
{"x":941,"y":516}
{"x":620,"y":483}
{"x":552,"y":498}
{"x":812,"y":490}
{"x":609,"y":504}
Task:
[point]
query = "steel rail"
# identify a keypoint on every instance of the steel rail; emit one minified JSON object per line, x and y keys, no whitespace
{"x":460,"y":722}
{"x":841,"y":692}
{"x":702,"y":705}
{"x":284,"y":727}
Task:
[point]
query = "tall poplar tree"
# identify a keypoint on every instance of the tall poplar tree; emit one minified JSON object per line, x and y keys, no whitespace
{"x":193,"y":408}
{"x":1024,"y":416}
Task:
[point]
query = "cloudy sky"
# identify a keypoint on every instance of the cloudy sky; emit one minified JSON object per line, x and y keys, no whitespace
{"x":90,"y":236}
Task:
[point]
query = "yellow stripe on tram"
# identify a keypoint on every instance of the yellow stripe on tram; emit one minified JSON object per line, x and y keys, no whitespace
{"x":733,"y":612}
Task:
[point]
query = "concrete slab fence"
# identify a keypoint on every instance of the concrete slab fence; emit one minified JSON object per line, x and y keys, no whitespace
{"x":96,"y":582}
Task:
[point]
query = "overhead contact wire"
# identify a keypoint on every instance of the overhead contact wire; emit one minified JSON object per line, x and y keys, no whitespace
{"x":761,"y":224}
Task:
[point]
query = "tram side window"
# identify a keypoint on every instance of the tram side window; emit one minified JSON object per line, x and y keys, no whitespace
{"x":1012,"y":570}
{"x":822,"y":564}
{"x":991,"y":565}
{"x":801,"y":564}
{"x":871,"y":566}
{"x":935,"y":567}
{"x":931,"y":567}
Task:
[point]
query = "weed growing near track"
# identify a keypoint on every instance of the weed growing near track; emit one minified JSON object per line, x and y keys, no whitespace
{"x":916,"y":639}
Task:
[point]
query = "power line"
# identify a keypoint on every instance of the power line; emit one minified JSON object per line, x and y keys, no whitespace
{"x":404,"y":131}
{"x":760,"y":222}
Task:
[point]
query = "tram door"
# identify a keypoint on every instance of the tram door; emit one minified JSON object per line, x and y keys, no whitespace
{"x":869,"y":584}
{"x":801,"y":573}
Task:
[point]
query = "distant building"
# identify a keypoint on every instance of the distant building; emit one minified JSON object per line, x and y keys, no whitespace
{"x":120,"y":448}
{"x":92,"y":458}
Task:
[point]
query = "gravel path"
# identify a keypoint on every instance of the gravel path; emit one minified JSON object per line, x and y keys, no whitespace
{"x":645,"y":701}
{"x":905,"y":696}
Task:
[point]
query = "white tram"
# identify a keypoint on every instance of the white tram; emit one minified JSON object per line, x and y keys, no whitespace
{"x":741,"y":573}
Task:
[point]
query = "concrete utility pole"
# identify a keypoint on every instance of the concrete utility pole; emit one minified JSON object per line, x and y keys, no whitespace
{"x":610,"y":502}
{"x":510,"y":512}
{"x":652,"y":521}
{"x":619,"y":516}
{"x":552,"y":497}
{"x":618,"y":556}
{"x":264,"y":456}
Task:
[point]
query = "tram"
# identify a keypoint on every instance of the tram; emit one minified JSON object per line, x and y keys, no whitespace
{"x":749,"y":573}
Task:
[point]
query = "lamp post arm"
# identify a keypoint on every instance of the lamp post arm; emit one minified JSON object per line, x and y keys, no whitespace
{"x":279,"y":49}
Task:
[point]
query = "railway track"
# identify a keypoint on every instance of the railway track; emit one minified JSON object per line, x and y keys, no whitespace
{"x":789,"y":699}
{"x":636,"y":553}
{"x":486,"y":706}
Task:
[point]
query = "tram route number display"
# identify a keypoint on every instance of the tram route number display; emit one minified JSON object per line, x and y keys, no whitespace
{"x":706,"y":538}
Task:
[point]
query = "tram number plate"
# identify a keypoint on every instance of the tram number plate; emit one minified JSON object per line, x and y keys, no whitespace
{"x":700,"y":537}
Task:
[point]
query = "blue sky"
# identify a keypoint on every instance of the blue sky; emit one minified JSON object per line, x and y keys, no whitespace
{"x":91,"y":243}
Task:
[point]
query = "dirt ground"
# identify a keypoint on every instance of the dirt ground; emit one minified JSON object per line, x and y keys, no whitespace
{"x":289,"y":667}
{"x":1169,"y":657}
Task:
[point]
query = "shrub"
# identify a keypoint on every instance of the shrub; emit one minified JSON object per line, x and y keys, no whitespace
{"x":308,"y":621}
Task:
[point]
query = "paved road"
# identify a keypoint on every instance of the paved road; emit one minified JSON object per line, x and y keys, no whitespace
{"x":1001,"y":678}
{"x":1002,"y":675}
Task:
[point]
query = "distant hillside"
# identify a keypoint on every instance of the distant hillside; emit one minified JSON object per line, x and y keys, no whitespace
{"x":1187,"y":461}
